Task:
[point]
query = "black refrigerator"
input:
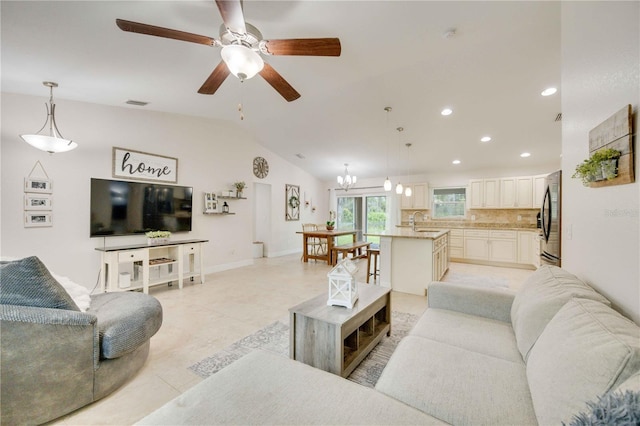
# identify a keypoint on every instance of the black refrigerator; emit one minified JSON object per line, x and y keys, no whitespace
{"x":550,"y":220}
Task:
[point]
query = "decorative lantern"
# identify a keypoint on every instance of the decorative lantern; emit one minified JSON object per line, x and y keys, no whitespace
{"x":225,"y":207}
{"x":343,"y":290}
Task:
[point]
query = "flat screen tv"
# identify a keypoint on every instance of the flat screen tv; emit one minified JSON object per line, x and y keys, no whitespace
{"x":127,"y":208}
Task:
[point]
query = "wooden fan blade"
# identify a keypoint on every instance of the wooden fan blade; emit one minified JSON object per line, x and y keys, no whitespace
{"x":304,"y":46}
{"x":232,"y":15}
{"x":136,"y":27}
{"x":219,"y":74}
{"x":280,"y":84}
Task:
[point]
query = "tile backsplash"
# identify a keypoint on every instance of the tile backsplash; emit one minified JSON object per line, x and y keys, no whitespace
{"x":483,"y":217}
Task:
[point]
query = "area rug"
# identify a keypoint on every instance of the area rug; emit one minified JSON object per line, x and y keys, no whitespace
{"x":476,"y":280}
{"x":275,"y":338}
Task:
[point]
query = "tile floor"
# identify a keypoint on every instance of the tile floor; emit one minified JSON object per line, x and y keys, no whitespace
{"x":200,"y":320}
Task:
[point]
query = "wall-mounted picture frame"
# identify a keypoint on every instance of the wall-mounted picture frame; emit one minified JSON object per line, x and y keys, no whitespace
{"x":211,"y":202}
{"x":37,"y":201}
{"x":292,"y":202}
{"x":39,"y":185}
{"x":144,"y":166}
{"x":34,"y":219}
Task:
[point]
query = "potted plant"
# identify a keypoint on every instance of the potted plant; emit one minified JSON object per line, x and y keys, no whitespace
{"x":607,"y":160}
{"x":239,"y":187}
{"x":330,"y":225}
{"x":602,"y":164}
{"x":157,"y":237}
{"x":586,"y":171}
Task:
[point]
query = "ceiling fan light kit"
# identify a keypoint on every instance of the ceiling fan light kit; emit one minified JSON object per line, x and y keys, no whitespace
{"x":242,"y":62}
{"x":49,"y":140}
{"x":242,"y":44}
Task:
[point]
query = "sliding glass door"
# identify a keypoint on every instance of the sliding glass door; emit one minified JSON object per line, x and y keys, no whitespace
{"x":365,"y":213}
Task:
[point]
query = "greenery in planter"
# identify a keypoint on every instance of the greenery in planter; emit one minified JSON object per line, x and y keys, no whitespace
{"x":239,"y":186}
{"x":593,"y":166}
{"x":158,"y":234}
{"x":331,"y":223}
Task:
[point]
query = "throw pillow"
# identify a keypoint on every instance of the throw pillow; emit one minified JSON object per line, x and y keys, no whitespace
{"x":614,"y":408}
{"x":80,"y":294}
{"x":27,"y":282}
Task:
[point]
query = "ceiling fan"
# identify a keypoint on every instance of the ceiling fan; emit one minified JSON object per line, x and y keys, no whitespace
{"x":242,"y":44}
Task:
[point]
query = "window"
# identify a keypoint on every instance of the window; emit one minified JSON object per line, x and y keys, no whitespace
{"x":448,"y":202}
{"x":364,"y":213}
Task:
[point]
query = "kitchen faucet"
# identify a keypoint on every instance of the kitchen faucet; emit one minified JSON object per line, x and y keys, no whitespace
{"x":413,"y":219}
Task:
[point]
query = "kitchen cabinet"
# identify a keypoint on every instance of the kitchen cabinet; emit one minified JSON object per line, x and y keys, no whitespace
{"x":475,"y":244}
{"x":419,"y":198}
{"x":503,"y":246}
{"x":484,"y":193}
{"x":440,"y":258}
{"x":456,"y":244}
{"x":538,"y":190}
{"x":490,"y":245}
{"x":516,"y":192}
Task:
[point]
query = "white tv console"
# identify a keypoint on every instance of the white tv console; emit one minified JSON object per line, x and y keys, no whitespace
{"x":149,"y":265}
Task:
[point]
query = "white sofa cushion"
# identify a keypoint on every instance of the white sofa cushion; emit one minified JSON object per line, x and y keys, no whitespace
{"x":477,"y":334}
{"x":456,"y":385}
{"x":540,"y":298}
{"x":586,"y":350}
{"x":263,"y":388}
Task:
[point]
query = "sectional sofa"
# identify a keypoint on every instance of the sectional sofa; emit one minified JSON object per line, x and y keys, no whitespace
{"x":476,"y":356}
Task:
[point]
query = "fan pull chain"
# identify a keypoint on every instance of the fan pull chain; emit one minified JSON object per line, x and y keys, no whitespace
{"x":240,"y":107}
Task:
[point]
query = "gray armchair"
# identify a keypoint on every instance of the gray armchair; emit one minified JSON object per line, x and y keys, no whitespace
{"x":55,"y":359}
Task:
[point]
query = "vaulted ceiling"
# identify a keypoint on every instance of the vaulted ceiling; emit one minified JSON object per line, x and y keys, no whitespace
{"x":394,"y":53}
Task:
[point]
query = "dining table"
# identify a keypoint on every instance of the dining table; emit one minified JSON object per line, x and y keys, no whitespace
{"x":330,"y":237}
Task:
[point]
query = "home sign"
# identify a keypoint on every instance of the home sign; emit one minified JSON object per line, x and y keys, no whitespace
{"x":137,"y":165}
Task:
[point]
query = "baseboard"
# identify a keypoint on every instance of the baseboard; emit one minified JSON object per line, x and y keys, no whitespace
{"x":284,"y":253}
{"x":227,"y":266}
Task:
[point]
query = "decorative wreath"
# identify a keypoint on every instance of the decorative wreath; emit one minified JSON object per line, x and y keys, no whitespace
{"x":294,"y":202}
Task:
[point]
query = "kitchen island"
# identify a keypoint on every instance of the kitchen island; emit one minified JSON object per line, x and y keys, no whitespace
{"x":410,"y":260}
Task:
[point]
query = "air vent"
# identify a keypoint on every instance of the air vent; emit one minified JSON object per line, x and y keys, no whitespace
{"x":559,"y":117}
{"x":302,"y":157}
{"x":136,"y":103}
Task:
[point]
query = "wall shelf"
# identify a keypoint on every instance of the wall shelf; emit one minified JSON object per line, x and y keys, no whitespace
{"x":223,"y":197}
{"x":218,"y":213}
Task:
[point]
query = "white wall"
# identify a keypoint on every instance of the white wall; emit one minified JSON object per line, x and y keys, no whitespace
{"x":211,"y":154}
{"x":600,"y":75}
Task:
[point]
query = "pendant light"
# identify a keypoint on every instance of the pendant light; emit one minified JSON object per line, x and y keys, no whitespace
{"x":50,"y":140}
{"x":387,"y":182}
{"x":399,"y":187}
{"x":407,"y":190}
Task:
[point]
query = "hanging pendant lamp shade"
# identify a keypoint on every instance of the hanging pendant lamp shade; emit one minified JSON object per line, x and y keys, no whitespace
{"x":49,"y":138}
{"x":399,"y":188}
{"x":387,"y":184}
{"x":242,"y":62}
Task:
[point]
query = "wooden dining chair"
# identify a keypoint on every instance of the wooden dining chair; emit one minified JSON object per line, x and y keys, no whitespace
{"x":315,"y":246}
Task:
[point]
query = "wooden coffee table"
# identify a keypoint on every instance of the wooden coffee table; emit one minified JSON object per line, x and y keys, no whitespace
{"x":334,"y":338}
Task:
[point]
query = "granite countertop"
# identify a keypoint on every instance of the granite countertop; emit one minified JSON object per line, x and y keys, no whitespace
{"x":407,"y":232}
{"x":464,"y":225}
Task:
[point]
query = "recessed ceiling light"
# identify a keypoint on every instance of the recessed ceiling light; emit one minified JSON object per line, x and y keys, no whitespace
{"x":549,"y":91}
{"x":456,"y":161}
{"x":485,"y":139}
{"x":446,"y":111}
{"x":525,"y":155}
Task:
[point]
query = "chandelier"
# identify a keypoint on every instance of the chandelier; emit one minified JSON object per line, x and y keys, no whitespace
{"x":50,"y":140}
{"x":399,"y":187}
{"x":346,"y":181}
